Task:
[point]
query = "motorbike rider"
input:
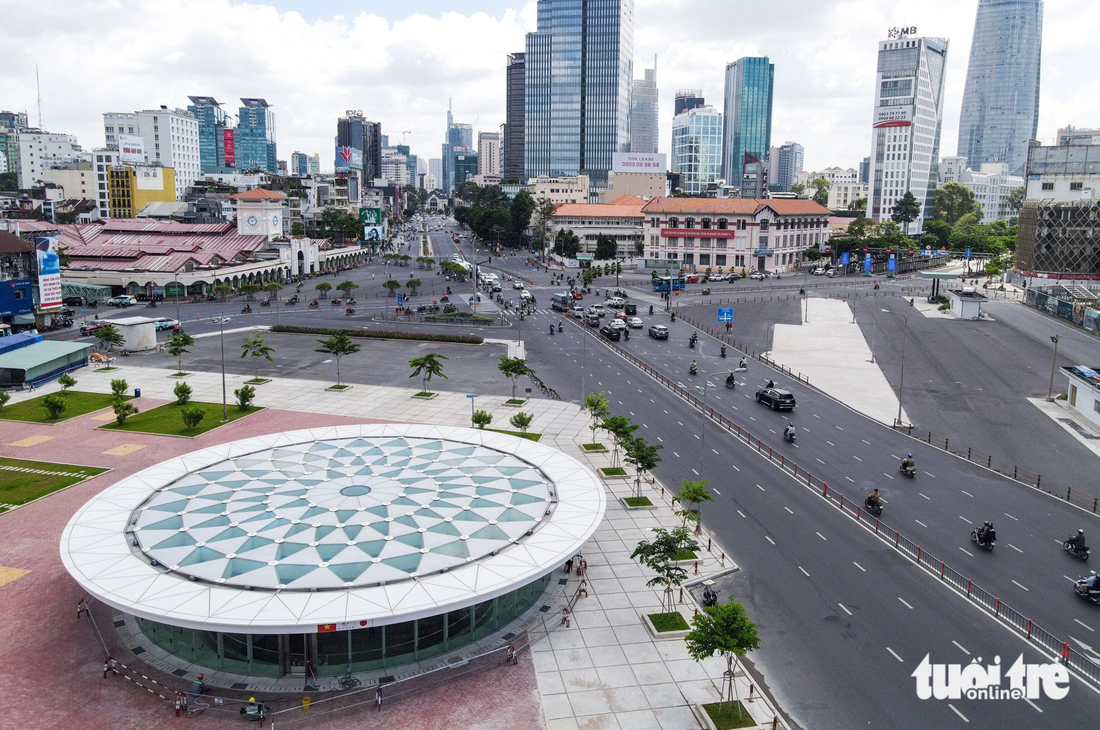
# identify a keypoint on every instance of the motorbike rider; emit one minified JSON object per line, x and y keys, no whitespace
{"x":872,"y":499}
{"x":1077,"y":542}
{"x":730,"y":380}
{"x":560,"y":325}
{"x":744,"y":364}
{"x":788,"y":432}
{"x":651,"y":309}
{"x":551,"y":329}
{"x":693,"y":367}
{"x":1092,"y":585}
{"x":723,"y":350}
{"x":985,"y":532}
{"x":908,"y":464}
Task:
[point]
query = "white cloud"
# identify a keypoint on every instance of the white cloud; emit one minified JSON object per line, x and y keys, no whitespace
{"x":128,"y":54}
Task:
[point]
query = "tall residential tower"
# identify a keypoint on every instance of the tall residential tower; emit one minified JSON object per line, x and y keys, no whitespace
{"x":1000,"y":107}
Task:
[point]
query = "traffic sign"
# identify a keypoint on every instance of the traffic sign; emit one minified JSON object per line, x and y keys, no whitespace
{"x":968,"y":253}
{"x":845,"y":258}
{"x":725,"y":314}
{"x":867,"y":262}
{"x":892,"y":265}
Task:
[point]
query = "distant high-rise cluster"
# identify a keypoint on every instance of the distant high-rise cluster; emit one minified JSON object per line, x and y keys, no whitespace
{"x":225,"y":147}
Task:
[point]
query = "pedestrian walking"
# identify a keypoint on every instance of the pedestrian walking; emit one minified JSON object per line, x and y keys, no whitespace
{"x":569,"y":566}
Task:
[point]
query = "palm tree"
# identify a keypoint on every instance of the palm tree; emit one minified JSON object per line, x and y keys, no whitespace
{"x":427,"y":366}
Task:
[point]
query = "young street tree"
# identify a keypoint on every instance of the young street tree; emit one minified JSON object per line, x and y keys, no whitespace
{"x":522,"y":421}
{"x":427,"y":366}
{"x":596,"y":405}
{"x":606,"y":248}
{"x":643,"y":456}
{"x":620,"y":428}
{"x":347,"y":287}
{"x":658,"y":555}
{"x":324,"y":287}
{"x":257,"y":349}
{"x":179,"y":344}
{"x":412,"y":285}
{"x":727,"y":630}
{"x":392,"y":285}
{"x":514,"y":368}
{"x":109,"y":337}
{"x":481,"y":418}
{"x":905,"y":211}
{"x":338,"y":344}
{"x":691,"y":496}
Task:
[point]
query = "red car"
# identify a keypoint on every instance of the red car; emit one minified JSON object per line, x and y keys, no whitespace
{"x":692,"y":279}
{"x":577,"y":294}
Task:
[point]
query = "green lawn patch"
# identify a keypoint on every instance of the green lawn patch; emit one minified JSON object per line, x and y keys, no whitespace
{"x":518,"y":434}
{"x":637,"y":502}
{"x":166,"y":419}
{"x":593,"y":447}
{"x":613,"y":471}
{"x":338,"y":387}
{"x":668,"y":622}
{"x":381,"y":334}
{"x":466,"y":317}
{"x":684,"y":554}
{"x":725,"y":716}
{"x":425,"y":394}
{"x":20,"y":487}
{"x":78,"y":403}
{"x":179,"y":375}
{"x":515,"y":401}
{"x":257,"y":381}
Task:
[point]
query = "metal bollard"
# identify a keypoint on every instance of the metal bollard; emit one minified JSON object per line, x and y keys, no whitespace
{"x":696,"y":567}
{"x":752,"y":689}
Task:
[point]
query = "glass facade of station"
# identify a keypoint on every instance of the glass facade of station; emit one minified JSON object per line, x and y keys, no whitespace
{"x":339,"y":652}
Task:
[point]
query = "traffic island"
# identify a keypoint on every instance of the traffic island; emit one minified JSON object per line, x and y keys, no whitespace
{"x":666,"y":625}
{"x":515,"y":402}
{"x":167,"y":420}
{"x":77,"y":403}
{"x":518,"y":434}
{"x":257,"y":381}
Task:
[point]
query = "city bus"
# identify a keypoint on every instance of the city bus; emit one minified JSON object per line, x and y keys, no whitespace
{"x":663,"y":283}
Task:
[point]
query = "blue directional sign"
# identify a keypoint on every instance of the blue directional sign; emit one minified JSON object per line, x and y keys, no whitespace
{"x":400,"y":298}
{"x":725,"y":314}
{"x":968,"y":253}
{"x":892,"y":265}
{"x":867,"y":262}
{"x":845,"y":258}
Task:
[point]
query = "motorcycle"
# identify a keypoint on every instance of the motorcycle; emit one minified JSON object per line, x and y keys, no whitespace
{"x":247,"y":310}
{"x":626,"y":335}
{"x":152,"y":303}
{"x":909,"y":471}
{"x":1073,"y":549}
{"x":650,"y":310}
{"x":788,"y":436}
{"x":691,"y":344}
{"x":723,"y":350}
{"x":292,"y":300}
{"x":1081,"y":588}
{"x":265,"y":303}
{"x":559,"y":326}
{"x":551,"y":330}
{"x":874,"y":508}
{"x":349,"y":311}
{"x":314,"y":304}
{"x":710,"y":597}
{"x":693,"y":370}
{"x":673,"y":316}
{"x":706,"y":292}
{"x":448,"y":291}
{"x":731,"y":383}
{"x":986,"y":544}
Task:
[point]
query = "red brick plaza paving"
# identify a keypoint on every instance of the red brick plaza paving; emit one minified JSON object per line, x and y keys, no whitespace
{"x":50,"y":665}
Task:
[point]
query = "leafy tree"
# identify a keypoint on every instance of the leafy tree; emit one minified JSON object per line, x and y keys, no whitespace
{"x":324,"y":287}
{"x":798,"y":189}
{"x":392,"y":285}
{"x":55,"y":405}
{"x":413,"y":285}
{"x":340,"y":225}
{"x":861,"y":228}
{"x":953,"y":201}
{"x":596,"y":405}
{"x":66,"y":381}
{"x":659,"y":555}
{"x":567,"y":244}
{"x":245,"y":395}
{"x":726,"y":630}
{"x":481,"y":418}
{"x":1016,"y":198}
{"x":858,"y":204}
{"x":427,"y":366}
{"x":941,"y":230}
{"x":346,"y":287}
{"x":523,"y":205}
{"x":9,"y":182}
{"x":606,"y":248}
{"x":620,"y":428}
{"x":821,"y":190}
{"x":178,"y":344}
{"x":119,"y":388}
{"x":123,"y":410}
{"x":338,"y":344}
{"x":813,"y":253}
{"x":514,"y":368}
{"x":643,"y":456}
{"x":890,"y":233}
{"x":272,"y":288}
{"x":4,"y":398}
{"x":522,"y":421}
{"x":192,"y":416}
{"x":248,"y":290}
{"x":906,"y":210}
{"x":109,"y":337}
{"x":543,"y":213}
{"x":182,"y":391}
{"x":297,"y":229}
{"x":257,"y":349}
{"x":691,"y":496}
{"x":222,"y":291}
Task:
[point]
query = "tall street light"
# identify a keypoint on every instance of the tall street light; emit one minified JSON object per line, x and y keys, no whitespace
{"x":176,"y":280}
{"x":904,"y":339}
{"x":221,"y":322}
{"x":1053,"y":367}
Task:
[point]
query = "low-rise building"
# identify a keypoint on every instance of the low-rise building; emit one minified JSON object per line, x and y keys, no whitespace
{"x":560,"y":190}
{"x":18,"y":269}
{"x":1083,"y":391}
{"x":644,"y":185}
{"x":842,"y":195}
{"x":621,"y":219}
{"x":132,"y":187}
{"x":39,"y":150}
{"x":75,"y":179}
{"x":732,"y":233}
{"x":992,"y":186}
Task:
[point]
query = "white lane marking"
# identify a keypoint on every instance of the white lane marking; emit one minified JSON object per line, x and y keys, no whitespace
{"x":1085,"y":625}
{"x":760,"y":487}
{"x":965,"y":520}
{"x":887,"y":475}
{"x":934,"y":476}
{"x":660,"y":439}
{"x":773,"y":430}
{"x":804,"y":571}
{"x":789,"y":510}
{"x":856,"y":458}
{"x":957,"y":712}
{"x":822,"y":536}
{"x":859,"y":566}
{"x":1037,"y":708}
{"x":829,"y":442}
{"x":853,"y":481}
{"x":925,"y":496}
{"x":815,"y":415}
{"x":1014,"y":547}
{"x":819,"y":461}
{"x":967,"y":552}
{"x":845,"y":608}
{"x":644,"y":426}
{"x":715,"y":451}
{"x":741,"y":513}
{"x":838,"y":428}
{"x":675,"y":454}
{"x":1071,"y":580}
{"x":968,"y":494}
{"x":1008,"y":515}
{"x":769,"y":539}
{"x":1021,"y":585}
{"x":866,"y":441}
{"x":695,"y":434}
{"x":666,"y":412}
{"x":964,"y":651}
{"x":895,"y":654}
{"x":920,"y":523}
{"x":680,"y":423}
{"x":735,"y":466}
{"x":717,"y":492}
{"x":904,"y":603}
{"x":695,"y":472}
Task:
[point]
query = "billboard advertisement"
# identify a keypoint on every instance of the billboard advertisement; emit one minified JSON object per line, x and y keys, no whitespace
{"x":370,"y":216}
{"x":638,"y":162}
{"x":893,"y":116}
{"x":372,"y":234}
{"x":348,"y":158}
{"x":230,"y":147}
{"x":131,"y":148}
{"x":49,"y":272}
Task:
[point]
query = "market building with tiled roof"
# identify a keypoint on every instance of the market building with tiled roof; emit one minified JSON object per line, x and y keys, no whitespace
{"x":727,"y":234}
{"x":621,"y":219}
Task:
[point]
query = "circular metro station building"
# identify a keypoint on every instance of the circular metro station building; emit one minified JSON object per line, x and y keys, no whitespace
{"x":352,"y":548}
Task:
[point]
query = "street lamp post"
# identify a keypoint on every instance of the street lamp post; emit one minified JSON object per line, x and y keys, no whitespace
{"x":703,"y":420}
{"x":904,"y":340}
{"x":221,"y":322}
{"x":176,"y":281}
{"x":1053,"y":366}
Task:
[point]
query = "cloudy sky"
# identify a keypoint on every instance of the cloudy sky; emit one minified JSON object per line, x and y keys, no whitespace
{"x":400,"y":60}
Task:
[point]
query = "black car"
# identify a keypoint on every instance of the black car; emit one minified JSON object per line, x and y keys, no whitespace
{"x":611,"y":333}
{"x":776,"y":398}
{"x":630,"y":308}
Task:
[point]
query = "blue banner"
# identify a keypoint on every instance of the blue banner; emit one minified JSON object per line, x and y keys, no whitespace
{"x":892,"y":265}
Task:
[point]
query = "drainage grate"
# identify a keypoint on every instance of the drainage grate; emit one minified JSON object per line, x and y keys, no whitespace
{"x":180,"y":672}
{"x":240,"y":685}
{"x":120,"y":624}
{"x":563,"y":581}
{"x":544,"y":609}
{"x":386,"y":680}
{"x":138,"y":650}
{"x":509,"y":636}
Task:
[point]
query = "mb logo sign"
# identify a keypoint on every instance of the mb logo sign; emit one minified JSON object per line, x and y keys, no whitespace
{"x":977,"y":682}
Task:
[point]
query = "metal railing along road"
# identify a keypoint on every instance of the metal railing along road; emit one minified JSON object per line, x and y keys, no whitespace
{"x":992,"y":604}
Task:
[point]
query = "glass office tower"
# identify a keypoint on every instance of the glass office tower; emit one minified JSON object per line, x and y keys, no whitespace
{"x":1000,"y":108}
{"x":212,"y":126}
{"x":697,"y":148}
{"x":747,"y":134}
{"x":578,"y":73}
{"x":255,"y":137}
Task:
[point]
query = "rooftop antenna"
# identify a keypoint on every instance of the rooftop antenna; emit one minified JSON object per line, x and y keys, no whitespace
{"x":38,"y":83}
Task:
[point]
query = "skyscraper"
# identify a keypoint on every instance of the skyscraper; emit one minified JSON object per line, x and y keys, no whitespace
{"x":212,"y":133}
{"x":697,"y":148}
{"x":788,"y":163}
{"x":351,"y":132}
{"x":488,"y":154}
{"x":905,"y":145}
{"x":255,"y":137}
{"x":1000,"y":107}
{"x":643,"y":112}
{"x":688,"y":99}
{"x":512,"y":142}
{"x":578,"y":71}
{"x":747,"y":133}
{"x":460,"y":141}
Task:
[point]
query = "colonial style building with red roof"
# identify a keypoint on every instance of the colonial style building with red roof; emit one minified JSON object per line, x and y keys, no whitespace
{"x":621,"y":219}
{"x":727,"y":234}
